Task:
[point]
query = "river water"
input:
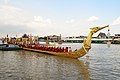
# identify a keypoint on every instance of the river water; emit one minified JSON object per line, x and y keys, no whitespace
{"x":104,"y":64}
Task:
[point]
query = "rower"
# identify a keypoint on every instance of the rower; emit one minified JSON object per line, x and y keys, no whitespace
{"x":66,"y":49}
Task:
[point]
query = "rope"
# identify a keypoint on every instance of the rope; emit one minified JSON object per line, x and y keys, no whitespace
{"x":84,"y":49}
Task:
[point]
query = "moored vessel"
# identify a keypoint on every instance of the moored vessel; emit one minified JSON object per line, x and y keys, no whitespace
{"x":9,"y":47}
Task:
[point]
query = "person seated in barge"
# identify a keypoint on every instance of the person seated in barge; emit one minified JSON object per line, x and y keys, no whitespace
{"x":66,"y":49}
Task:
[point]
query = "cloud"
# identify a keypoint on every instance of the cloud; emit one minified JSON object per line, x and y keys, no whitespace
{"x":70,"y":21}
{"x":38,"y":18}
{"x":93,"y":18}
{"x":12,"y":15}
{"x":21,"y":21}
{"x":117,"y":21}
{"x":16,"y":16}
{"x":7,"y":1}
{"x":39,"y":21}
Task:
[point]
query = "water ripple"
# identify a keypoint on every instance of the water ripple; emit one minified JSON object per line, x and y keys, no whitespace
{"x":24,"y":65}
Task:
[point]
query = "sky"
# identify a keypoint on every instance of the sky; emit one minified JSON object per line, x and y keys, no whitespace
{"x":55,"y":17}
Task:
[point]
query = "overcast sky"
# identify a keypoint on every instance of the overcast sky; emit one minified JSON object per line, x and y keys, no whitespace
{"x":54,"y":17}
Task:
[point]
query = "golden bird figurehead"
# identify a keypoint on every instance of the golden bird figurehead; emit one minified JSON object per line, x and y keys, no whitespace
{"x":96,"y":29}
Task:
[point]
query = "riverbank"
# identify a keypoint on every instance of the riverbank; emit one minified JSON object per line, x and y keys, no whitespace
{"x":99,"y":41}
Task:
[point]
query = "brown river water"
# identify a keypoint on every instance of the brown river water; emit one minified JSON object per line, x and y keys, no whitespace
{"x":104,"y":64}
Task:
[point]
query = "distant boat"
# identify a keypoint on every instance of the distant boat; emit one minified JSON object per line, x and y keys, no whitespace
{"x":76,"y":53}
{"x":49,"y":44}
{"x":60,"y":41}
{"x":9,"y":47}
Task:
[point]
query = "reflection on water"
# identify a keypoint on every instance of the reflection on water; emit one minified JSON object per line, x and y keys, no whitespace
{"x":108,"y":44}
{"x":25,"y":65}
